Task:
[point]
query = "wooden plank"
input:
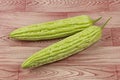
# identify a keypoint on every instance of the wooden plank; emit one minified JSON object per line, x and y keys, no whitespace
{"x":114,"y":5}
{"x":114,"y":22}
{"x":12,"y":55}
{"x":12,"y":5}
{"x":67,"y":5}
{"x":19,"y":19}
{"x":116,"y":36}
{"x":94,"y":55}
{"x":69,"y":73}
{"x":8,"y":71}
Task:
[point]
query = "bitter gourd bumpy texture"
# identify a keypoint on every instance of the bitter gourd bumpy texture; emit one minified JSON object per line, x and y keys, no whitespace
{"x":53,"y":29}
{"x":65,"y":48}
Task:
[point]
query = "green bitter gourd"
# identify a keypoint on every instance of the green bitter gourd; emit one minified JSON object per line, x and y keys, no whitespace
{"x":66,"y":47}
{"x":53,"y":29}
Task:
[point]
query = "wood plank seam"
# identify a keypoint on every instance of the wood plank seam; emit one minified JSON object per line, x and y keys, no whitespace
{"x":112,"y":37}
{"x":116,"y":73}
{"x":108,"y":5}
{"x":18,"y":72}
{"x":25,"y":5}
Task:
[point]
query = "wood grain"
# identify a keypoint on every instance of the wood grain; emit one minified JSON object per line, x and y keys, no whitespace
{"x":69,"y":73}
{"x":12,"y":5}
{"x":19,"y":19}
{"x":114,"y":5}
{"x":107,"y":38}
{"x":118,"y":71}
{"x":8,"y":71}
{"x":59,"y":5}
{"x":15,"y":55}
{"x":67,"y":5}
{"x":116,"y":36}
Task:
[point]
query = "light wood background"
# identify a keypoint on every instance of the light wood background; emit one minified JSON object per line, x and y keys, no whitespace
{"x":99,"y":62}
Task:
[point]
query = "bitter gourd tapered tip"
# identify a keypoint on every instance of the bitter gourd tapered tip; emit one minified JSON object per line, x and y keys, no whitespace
{"x":25,"y":65}
{"x":97,"y":19}
{"x":105,"y":23}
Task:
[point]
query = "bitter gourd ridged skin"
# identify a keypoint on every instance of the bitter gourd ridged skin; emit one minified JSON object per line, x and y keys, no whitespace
{"x":64,"y":48}
{"x":52,"y":30}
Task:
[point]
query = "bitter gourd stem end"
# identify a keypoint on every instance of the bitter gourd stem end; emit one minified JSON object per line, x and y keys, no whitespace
{"x":97,"y":19}
{"x":105,"y":23}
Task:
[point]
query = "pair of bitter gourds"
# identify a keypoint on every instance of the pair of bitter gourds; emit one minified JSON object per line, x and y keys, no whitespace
{"x":80,"y":31}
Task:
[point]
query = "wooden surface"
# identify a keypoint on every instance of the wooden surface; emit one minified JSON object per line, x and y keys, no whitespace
{"x":99,"y":62}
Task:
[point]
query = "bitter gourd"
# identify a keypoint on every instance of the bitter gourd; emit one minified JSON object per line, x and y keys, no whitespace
{"x":66,"y":47}
{"x":53,"y":29}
